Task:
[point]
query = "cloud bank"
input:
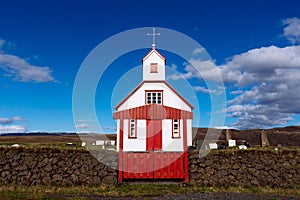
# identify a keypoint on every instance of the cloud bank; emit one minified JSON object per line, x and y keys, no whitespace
{"x":292,"y":29}
{"x":264,"y":82}
{"x":20,"y":70}
{"x":13,"y":129}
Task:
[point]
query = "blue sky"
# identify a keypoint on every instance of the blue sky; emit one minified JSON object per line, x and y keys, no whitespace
{"x":255,"y":45}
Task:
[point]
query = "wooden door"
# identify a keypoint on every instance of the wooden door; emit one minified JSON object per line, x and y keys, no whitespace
{"x":154,"y":135}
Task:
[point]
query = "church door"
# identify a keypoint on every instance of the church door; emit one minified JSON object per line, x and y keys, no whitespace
{"x":154,"y":135}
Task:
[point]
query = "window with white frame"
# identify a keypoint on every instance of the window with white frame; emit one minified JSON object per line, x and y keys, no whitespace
{"x":154,"y":97}
{"x":132,"y":128}
{"x":176,"y":128}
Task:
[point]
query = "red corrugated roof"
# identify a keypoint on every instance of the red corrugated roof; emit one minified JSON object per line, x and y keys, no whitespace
{"x":153,"y":111}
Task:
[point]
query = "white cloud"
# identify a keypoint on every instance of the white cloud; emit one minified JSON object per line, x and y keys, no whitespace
{"x":13,"y":129}
{"x":265,"y":82}
{"x":82,"y":126}
{"x":206,"y":90}
{"x":257,"y":64}
{"x":198,"y":51}
{"x":18,"y":118}
{"x":196,"y":68}
{"x":5,"y":121}
{"x":173,"y":66}
{"x":292,"y":29}
{"x":235,"y":92}
{"x":22,"y":70}
{"x":269,"y":78}
{"x":85,"y":120}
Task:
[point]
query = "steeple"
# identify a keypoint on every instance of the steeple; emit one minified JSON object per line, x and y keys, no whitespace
{"x":154,"y":66}
{"x":154,"y":63}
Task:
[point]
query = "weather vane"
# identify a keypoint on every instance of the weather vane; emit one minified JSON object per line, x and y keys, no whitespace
{"x":153,"y":34}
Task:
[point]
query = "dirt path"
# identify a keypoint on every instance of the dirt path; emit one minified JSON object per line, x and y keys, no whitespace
{"x":190,"y":196}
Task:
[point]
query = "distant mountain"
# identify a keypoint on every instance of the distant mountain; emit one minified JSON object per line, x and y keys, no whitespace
{"x":285,"y":136}
{"x":38,"y":134}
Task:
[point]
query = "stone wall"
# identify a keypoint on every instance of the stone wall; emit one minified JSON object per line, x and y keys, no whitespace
{"x":56,"y":166}
{"x":246,"y":168}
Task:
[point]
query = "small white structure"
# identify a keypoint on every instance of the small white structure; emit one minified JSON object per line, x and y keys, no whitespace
{"x":109,"y":142}
{"x":242,"y":147}
{"x":83,"y":144}
{"x":99,"y":142}
{"x":15,"y":145}
{"x":213,"y":146}
{"x":231,"y":143}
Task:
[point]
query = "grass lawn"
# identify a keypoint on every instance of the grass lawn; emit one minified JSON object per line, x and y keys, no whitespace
{"x":127,"y":190}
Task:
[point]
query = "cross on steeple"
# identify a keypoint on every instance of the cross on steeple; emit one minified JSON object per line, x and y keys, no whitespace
{"x":153,"y":34}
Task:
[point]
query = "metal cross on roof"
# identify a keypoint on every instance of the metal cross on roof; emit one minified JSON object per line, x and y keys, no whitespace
{"x":153,"y":34}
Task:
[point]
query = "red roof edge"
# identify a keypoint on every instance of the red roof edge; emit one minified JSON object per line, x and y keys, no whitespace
{"x":153,"y":111}
{"x":151,"y":51}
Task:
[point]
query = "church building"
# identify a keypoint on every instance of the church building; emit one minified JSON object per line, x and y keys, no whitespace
{"x":154,"y":127}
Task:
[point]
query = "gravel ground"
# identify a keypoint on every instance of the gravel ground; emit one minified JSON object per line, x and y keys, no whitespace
{"x":190,"y":196}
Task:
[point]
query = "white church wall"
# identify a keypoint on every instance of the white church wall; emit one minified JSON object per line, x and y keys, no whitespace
{"x":154,"y":58}
{"x":169,"y":97}
{"x":189,"y":132}
{"x":169,"y":143}
{"x":135,"y":144}
{"x":172,"y":100}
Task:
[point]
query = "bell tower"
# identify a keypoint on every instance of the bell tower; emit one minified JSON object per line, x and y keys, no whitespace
{"x":154,"y":64}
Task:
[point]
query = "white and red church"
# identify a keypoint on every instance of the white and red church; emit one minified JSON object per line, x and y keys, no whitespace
{"x":154,"y":127}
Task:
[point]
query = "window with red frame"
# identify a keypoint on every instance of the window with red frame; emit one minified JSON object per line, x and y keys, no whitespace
{"x":176,"y":128}
{"x":153,"y":68}
{"x":132,"y":128}
{"x":154,"y":97}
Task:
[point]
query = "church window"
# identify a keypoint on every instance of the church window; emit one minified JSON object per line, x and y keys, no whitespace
{"x":132,"y":128}
{"x":176,"y":128}
{"x":154,"y":97}
{"x":153,"y":68}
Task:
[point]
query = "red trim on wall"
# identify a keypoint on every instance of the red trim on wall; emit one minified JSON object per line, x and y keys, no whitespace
{"x":135,"y":129}
{"x":141,"y":84}
{"x":121,"y":151}
{"x":152,"y":51}
{"x":185,"y":147}
{"x":153,"y":111}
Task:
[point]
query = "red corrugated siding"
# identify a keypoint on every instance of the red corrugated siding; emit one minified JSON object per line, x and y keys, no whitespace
{"x":157,"y":165}
{"x":168,"y":165}
{"x":153,"y":111}
{"x":137,"y":165}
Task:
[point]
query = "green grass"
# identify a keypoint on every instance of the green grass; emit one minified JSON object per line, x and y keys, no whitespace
{"x":131,"y":190}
